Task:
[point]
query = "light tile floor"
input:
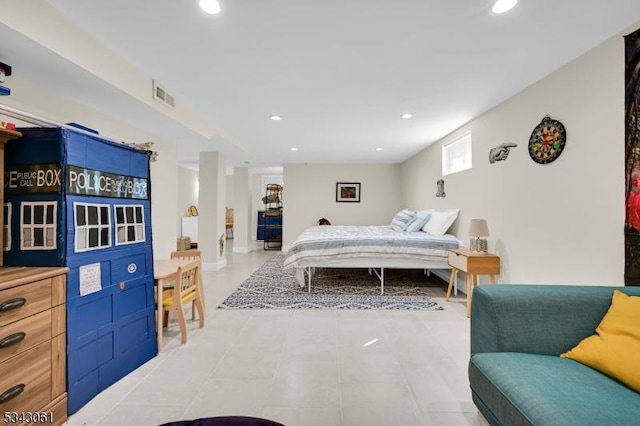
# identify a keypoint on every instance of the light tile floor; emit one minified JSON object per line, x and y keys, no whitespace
{"x":300,"y":367}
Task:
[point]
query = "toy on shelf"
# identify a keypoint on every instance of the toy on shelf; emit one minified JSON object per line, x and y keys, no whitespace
{"x":8,"y":126}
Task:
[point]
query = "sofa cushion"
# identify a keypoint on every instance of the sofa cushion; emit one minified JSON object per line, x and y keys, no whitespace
{"x":615,"y":346}
{"x":537,"y":319}
{"x":524,"y":389}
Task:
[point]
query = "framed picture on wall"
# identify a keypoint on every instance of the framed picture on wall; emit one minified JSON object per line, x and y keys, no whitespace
{"x":347,"y":192}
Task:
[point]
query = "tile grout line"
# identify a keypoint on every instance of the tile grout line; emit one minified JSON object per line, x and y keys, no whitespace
{"x":278,"y":363}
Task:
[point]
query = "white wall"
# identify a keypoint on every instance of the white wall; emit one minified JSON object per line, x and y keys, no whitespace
{"x":164,"y":190}
{"x":230,"y":191}
{"x":212,"y":197}
{"x":187,"y":194}
{"x":242,"y":195}
{"x":310,"y":193}
{"x":34,"y":99}
{"x":555,"y":223}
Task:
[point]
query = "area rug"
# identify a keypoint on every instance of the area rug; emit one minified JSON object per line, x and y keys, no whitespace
{"x":270,"y":287}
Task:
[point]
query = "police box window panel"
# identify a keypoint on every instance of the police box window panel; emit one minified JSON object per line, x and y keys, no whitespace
{"x":92,"y":226}
{"x":129,"y":224}
{"x":6,"y":244}
{"x":38,"y":225}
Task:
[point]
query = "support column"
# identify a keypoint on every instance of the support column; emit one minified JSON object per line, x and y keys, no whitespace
{"x":242,"y":210}
{"x":211,"y":220}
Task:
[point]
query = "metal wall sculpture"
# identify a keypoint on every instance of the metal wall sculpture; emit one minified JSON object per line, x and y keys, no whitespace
{"x":440,"y":186}
{"x":500,"y":152}
{"x":632,"y":159}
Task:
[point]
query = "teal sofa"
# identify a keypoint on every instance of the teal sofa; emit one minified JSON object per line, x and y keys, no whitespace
{"x":515,"y":372}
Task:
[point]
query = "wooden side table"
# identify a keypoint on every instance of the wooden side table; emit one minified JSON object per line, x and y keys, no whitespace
{"x":474,"y":264}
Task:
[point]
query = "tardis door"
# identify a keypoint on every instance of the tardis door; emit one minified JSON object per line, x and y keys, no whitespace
{"x":111,"y":318}
{"x":110,"y":300}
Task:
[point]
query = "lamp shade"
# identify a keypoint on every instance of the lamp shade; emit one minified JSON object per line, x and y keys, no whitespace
{"x":478,"y":228}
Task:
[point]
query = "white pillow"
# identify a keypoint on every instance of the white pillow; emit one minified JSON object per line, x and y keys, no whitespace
{"x":419,"y":221}
{"x":440,"y":222}
{"x":402,"y":219}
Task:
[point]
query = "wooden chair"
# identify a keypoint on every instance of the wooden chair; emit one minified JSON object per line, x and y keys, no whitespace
{"x":186,"y":289}
{"x":186,"y":254}
{"x":229,"y":222}
{"x":191,"y":255}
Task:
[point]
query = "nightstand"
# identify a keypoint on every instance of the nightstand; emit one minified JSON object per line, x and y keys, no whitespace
{"x":474,"y":264}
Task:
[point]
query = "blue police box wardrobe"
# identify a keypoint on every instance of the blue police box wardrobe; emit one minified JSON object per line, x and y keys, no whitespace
{"x":82,"y":201}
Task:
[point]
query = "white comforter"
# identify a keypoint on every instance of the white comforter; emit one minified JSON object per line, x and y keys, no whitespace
{"x":362,"y":246}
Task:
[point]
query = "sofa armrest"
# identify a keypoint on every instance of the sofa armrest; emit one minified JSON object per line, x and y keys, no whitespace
{"x":540,"y":319}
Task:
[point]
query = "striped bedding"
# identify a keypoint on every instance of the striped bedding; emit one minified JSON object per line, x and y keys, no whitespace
{"x":321,"y":244}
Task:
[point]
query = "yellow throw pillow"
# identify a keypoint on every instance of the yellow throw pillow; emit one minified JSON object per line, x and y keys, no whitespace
{"x":615,"y":347}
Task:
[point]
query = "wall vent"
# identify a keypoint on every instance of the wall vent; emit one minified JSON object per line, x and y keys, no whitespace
{"x":161,"y":95}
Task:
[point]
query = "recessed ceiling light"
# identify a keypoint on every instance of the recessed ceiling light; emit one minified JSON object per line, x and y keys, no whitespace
{"x":211,"y":7}
{"x":294,"y":149}
{"x":378,"y":149}
{"x":275,"y":118}
{"x":407,"y":116}
{"x":502,"y":6}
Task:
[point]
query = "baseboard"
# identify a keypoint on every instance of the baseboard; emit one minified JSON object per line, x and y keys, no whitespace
{"x":242,"y":249}
{"x":445,"y":274}
{"x":214,"y":266}
{"x":285,"y":248}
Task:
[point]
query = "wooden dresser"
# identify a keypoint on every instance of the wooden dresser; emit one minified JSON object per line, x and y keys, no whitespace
{"x":32,"y":345}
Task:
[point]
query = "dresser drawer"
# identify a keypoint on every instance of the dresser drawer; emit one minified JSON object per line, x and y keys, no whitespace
{"x":24,"y":300}
{"x":31,"y":372}
{"x":474,"y":263}
{"x":24,"y":334}
{"x":458,"y":261}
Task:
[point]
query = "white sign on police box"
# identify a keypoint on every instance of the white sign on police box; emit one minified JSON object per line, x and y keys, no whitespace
{"x":90,"y":279}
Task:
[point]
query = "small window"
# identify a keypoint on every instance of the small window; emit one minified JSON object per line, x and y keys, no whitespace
{"x":129,"y":224}
{"x":38,"y":225}
{"x":92,"y":226}
{"x":456,"y":155}
{"x":6,"y":244}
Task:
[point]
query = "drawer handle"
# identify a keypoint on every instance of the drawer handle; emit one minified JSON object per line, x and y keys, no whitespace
{"x":12,"y":339}
{"x":11,"y":393}
{"x":12,"y":304}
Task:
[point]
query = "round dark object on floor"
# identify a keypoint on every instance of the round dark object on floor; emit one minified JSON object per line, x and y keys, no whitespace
{"x":225,"y":421}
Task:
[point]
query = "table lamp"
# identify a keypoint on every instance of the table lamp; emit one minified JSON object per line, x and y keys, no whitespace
{"x":478,"y":229}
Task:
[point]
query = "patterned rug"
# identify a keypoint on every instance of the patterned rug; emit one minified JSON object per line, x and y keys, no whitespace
{"x":272,"y":288}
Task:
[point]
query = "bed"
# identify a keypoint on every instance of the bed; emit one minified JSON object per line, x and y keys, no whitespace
{"x":372,"y":247}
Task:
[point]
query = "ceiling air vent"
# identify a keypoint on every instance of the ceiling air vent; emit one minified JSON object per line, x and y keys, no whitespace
{"x":161,"y":95}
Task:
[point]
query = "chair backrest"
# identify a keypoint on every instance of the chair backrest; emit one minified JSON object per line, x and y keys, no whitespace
{"x":187,"y":285}
{"x":228,"y":216}
{"x":186,"y":254}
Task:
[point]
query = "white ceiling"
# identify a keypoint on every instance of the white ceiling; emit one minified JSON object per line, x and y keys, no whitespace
{"x":340,"y":73}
